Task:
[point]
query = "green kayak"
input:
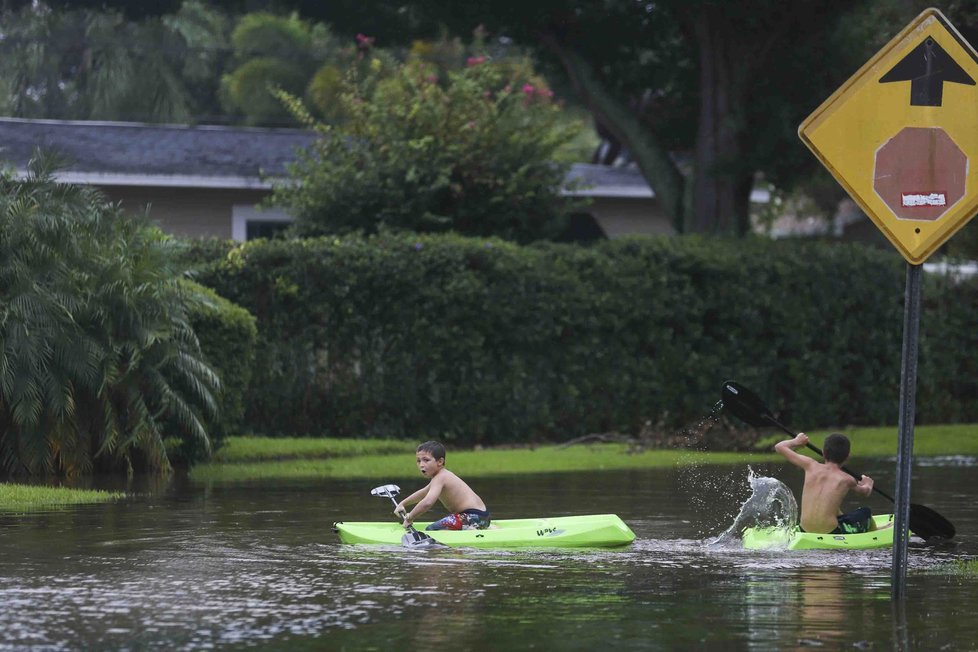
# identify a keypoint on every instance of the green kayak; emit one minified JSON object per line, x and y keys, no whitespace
{"x":588,"y":531}
{"x":755,"y":538}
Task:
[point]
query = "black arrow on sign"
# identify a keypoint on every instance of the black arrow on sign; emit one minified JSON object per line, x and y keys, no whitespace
{"x":927,"y":67}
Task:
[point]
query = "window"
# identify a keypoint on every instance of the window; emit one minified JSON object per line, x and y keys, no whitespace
{"x":248,"y":222}
{"x":255,"y":229}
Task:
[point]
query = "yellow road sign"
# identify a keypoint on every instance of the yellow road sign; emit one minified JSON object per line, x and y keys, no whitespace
{"x":901,"y":136}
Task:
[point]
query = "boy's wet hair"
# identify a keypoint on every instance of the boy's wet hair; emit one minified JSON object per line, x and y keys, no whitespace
{"x":836,"y":448}
{"x":435,"y":448}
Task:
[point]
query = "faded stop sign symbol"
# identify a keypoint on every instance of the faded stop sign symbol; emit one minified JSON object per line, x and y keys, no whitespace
{"x":920,"y":173}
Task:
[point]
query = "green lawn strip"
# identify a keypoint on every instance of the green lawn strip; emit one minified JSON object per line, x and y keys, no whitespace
{"x":482,"y":463}
{"x":957,"y":439}
{"x":22,"y":497}
{"x":964,"y":567}
{"x":257,"y":458}
{"x":239,"y":450}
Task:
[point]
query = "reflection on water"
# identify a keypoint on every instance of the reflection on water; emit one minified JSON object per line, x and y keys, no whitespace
{"x":192,"y":566}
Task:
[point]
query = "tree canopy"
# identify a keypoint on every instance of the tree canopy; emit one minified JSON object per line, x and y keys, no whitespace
{"x":84,"y":64}
{"x":703,"y":95}
{"x":472,"y":150}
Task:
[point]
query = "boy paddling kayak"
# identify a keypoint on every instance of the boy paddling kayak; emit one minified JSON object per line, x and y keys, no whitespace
{"x":826,"y":485}
{"x":466,"y":509}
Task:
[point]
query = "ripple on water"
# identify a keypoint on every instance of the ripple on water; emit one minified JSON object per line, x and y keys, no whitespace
{"x":944,"y":460}
{"x":208,"y":577}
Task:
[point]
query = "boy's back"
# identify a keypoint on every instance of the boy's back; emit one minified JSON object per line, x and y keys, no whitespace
{"x":826,"y":485}
{"x":821,"y":499}
{"x":456,"y":495}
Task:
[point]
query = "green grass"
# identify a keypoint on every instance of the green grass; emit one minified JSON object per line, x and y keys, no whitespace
{"x":239,"y":450}
{"x":21,"y":497}
{"x":958,"y":439}
{"x":960,"y":567}
{"x":543,"y":459}
{"x":262,"y":458}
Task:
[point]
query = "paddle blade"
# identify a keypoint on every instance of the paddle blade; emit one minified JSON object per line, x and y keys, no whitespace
{"x":745,"y":405}
{"x":414,"y":539}
{"x":387,"y":490}
{"x":929,"y":525}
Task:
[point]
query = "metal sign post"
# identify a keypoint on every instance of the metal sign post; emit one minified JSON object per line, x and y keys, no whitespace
{"x":908,"y":403}
{"x":901,"y":136}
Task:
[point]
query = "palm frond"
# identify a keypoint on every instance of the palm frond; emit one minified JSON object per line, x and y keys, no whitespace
{"x":97,"y":357}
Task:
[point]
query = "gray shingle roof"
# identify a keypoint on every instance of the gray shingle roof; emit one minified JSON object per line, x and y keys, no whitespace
{"x":129,"y":153}
{"x":150,"y":149}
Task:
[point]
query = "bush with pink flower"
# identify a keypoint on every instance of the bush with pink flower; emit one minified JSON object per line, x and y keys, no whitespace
{"x":432,"y":148}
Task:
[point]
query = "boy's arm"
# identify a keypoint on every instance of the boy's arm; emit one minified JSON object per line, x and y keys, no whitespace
{"x":431,"y":497}
{"x":410,"y":500}
{"x":786,"y":448}
{"x":864,"y":486}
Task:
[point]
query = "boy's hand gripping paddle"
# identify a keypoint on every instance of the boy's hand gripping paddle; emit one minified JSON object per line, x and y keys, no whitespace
{"x":748,"y":407}
{"x":412,"y":538}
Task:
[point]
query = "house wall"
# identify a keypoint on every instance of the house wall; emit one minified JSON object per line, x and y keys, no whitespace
{"x":186,"y":212}
{"x":223,"y":213}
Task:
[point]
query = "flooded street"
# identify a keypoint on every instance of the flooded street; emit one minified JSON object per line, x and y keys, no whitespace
{"x":257,"y":565}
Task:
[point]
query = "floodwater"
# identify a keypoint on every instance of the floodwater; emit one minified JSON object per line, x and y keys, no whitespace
{"x":188,"y":566}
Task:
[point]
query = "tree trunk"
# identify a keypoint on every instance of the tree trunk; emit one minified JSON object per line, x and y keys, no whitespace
{"x":722,"y":183}
{"x":654,"y":160}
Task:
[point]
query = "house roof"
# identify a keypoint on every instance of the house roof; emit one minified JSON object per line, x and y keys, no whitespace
{"x":140,"y":154}
{"x":128,"y":153}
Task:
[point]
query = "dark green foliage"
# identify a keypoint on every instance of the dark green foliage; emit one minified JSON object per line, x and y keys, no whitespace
{"x":227,"y":335}
{"x":482,"y":341}
{"x":274,"y":52}
{"x":948,"y":386}
{"x":472,"y":153}
{"x":76,"y":63}
{"x":964,"y":244}
{"x":97,"y":358}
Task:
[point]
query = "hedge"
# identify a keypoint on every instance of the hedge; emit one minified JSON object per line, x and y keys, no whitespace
{"x":483,"y":341}
{"x":227,"y":334}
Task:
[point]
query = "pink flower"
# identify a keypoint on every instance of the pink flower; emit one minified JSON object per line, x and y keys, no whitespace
{"x":364,"y":43}
{"x":474,"y":61}
{"x":528,"y":89}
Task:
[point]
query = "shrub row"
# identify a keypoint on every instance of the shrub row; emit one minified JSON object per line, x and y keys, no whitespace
{"x":227,"y":334}
{"x":483,"y":341}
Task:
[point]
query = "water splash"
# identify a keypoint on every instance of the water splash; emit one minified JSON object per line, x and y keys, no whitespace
{"x":692,"y":436}
{"x":771,"y":504}
{"x":706,"y":484}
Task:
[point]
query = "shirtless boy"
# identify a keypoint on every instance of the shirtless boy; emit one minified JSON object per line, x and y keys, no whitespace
{"x":826,"y":485}
{"x":465,"y":508}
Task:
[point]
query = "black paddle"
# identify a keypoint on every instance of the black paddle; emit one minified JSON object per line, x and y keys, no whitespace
{"x":748,"y":407}
{"x":412,"y":538}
